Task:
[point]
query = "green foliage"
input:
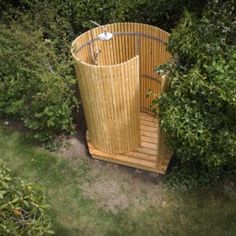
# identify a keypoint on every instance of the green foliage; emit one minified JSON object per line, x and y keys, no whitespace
{"x":198,"y":111}
{"x":22,"y":207}
{"x":35,"y":84}
{"x":162,"y":13}
{"x":78,"y":13}
{"x":51,"y":18}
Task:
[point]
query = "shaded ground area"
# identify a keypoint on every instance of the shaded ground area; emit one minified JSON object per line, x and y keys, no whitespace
{"x":90,"y":197}
{"x":115,"y":187}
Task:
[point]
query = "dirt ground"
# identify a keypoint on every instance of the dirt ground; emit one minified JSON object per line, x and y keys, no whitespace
{"x":115,"y":187}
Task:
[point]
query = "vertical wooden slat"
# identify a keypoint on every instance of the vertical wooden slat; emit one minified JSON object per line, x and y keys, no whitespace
{"x":112,"y":124}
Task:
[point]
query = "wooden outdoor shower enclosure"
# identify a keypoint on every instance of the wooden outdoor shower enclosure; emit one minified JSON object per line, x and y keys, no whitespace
{"x":115,"y":66}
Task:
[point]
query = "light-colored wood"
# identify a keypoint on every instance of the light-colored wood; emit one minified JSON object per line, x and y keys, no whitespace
{"x":146,"y":122}
{"x":147,"y":151}
{"x":114,"y":77}
{"x":148,"y":134}
{"x":144,"y":157}
{"x":148,"y":128}
{"x":148,"y":139}
{"x":121,"y":161}
{"x":122,"y":48}
{"x":111,"y":110}
{"x":148,"y":145}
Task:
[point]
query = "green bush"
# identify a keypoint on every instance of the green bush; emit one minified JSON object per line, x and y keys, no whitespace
{"x":36,"y":84}
{"x":78,"y":13}
{"x":162,"y":13}
{"x":22,"y":207}
{"x":198,"y":110}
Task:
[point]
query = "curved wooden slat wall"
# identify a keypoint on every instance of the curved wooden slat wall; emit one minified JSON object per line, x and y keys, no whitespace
{"x":110,"y":97}
{"x":114,"y":77}
{"x":119,"y":49}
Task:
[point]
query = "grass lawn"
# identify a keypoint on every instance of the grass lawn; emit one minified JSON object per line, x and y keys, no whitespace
{"x":89,"y":197}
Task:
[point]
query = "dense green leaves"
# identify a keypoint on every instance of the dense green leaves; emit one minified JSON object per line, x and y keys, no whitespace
{"x":78,"y":13}
{"x":198,"y":111}
{"x":22,"y":207}
{"x":36,"y":85}
{"x":162,"y":13}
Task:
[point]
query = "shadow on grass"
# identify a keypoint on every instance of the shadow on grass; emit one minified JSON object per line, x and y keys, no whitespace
{"x":181,"y":211}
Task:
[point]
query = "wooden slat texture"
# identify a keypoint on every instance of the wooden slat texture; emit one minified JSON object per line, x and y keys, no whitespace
{"x":122,"y":48}
{"x":148,"y":134}
{"x":144,"y":157}
{"x":146,"y":122}
{"x":111,"y":110}
{"x":114,"y":77}
{"x":147,"y":151}
{"x":148,"y":145}
{"x":148,"y":128}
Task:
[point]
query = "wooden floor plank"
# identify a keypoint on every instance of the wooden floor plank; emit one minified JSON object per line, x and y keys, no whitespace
{"x":148,"y":134}
{"x":147,"y":151}
{"x":118,"y":161}
{"x":149,"y":145}
{"x":145,"y":156}
{"x":96,"y":152}
{"x":148,"y":118}
{"x":142,"y":156}
{"x":148,"y":139}
{"x":135,"y":161}
{"x":147,"y":123}
{"x":149,"y":128}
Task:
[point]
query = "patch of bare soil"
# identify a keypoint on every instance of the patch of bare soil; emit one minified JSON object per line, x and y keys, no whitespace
{"x":15,"y":125}
{"x":114,"y":187}
{"x":74,"y":147}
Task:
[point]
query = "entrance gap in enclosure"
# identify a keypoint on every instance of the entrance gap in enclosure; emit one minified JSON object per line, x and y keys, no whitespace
{"x":115,"y":67}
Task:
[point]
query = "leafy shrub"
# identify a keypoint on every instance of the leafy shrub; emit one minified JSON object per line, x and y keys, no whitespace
{"x":22,"y":207}
{"x":36,"y":85}
{"x":162,"y":13}
{"x":78,"y":13}
{"x":198,"y":110}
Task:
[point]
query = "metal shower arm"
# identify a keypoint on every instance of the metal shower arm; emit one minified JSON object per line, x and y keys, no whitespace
{"x":95,"y":23}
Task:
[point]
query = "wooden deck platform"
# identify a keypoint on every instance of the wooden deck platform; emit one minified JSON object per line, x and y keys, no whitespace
{"x":145,"y":156}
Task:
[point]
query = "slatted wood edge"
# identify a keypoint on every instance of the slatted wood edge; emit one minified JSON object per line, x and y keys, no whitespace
{"x":116,"y":160}
{"x":131,"y":154}
{"x":131,"y":161}
{"x":144,"y":157}
{"x":147,"y":117}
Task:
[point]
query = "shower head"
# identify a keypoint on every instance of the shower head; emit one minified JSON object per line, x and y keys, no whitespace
{"x":105,"y":35}
{"x":95,"y":23}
